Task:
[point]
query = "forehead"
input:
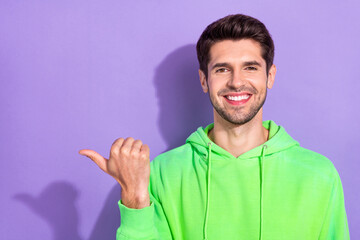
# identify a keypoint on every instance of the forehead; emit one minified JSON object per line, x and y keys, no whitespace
{"x":236,"y":51}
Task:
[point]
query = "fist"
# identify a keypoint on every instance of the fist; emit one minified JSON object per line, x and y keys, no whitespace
{"x":129,"y":164}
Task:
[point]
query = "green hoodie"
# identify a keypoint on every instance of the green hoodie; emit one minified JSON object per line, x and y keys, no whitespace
{"x":276,"y":191}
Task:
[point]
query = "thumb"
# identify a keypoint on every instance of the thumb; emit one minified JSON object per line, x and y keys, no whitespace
{"x":96,"y":157}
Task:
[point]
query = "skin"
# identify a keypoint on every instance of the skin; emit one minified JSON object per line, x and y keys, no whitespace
{"x":237,"y":129}
{"x":237,"y":66}
{"x":129,"y":164}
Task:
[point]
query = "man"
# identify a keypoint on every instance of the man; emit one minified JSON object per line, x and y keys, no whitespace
{"x":240,"y":177}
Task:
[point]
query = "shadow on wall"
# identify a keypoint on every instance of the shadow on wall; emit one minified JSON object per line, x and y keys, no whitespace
{"x":183,"y":105}
{"x":109,"y":219}
{"x":56,"y":205}
{"x":183,"y":108}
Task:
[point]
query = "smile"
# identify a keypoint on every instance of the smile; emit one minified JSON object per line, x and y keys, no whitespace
{"x":237,"y":99}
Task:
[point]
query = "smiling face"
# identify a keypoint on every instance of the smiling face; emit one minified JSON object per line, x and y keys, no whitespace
{"x":237,"y":80}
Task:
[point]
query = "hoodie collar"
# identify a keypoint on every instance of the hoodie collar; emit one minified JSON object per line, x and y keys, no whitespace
{"x":279,"y":140}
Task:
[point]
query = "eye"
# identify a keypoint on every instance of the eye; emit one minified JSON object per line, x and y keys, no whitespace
{"x":251,"y":68}
{"x":221,"y":70}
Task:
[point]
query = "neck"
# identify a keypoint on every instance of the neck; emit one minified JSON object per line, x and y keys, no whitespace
{"x":238,"y":139}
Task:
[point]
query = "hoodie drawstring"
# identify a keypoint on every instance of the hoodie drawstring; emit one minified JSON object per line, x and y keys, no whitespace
{"x":262,"y":158}
{"x":208,"y":192}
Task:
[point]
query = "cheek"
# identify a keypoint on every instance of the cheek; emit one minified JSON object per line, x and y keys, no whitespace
{"x":256,"y":78}
{"x":212,"y":85}
{"x":217,"y":82}
{"x":259,"y":83}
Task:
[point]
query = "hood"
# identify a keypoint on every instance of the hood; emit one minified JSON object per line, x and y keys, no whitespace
{"x":279,"y":140}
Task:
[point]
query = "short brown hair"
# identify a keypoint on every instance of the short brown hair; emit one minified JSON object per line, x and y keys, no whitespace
{"x":235,"y":27}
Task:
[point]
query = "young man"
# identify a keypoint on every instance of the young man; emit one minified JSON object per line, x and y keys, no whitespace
{"x":240,"y":177}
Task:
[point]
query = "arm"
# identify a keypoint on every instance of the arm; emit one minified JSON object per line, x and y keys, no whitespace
{"x":335,"y":226}
{"x":142,"y":214}
{"x":148,"y":223}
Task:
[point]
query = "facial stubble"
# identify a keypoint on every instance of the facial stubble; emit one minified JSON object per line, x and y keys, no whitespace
{"x":239,"y":118}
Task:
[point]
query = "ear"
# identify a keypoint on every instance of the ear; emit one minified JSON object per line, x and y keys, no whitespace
{"x":203,"y":81}
{"x":271,"y":76}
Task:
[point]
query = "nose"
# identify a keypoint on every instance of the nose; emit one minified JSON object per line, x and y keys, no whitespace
{"x":236,"y":80}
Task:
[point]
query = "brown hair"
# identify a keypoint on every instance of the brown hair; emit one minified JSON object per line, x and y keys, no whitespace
{"x":235,"y":27}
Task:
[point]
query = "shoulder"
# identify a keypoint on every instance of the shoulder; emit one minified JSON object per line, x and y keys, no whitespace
{"x":174,"y":158}
{"x":311,"y":162}
{"x":169,"y":167}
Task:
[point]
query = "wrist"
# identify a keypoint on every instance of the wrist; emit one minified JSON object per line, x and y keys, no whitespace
{"x":135,"y":200}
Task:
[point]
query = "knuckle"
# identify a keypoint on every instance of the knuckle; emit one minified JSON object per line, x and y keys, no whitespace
{"x":118,"y":140}
{"x":143,"y":156}
{"x":124,"y":150}
{"x":113,"y":148}
{"x":114,"y":152}
{"x":134,"y":154}
{"x":131,"y":139}
{"x":139,"y":142}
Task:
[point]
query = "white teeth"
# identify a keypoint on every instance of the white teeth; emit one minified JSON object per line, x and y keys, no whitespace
{"x":237,"y":98}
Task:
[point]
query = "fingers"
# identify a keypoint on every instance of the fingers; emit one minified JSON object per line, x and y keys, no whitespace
{"x":128,"y":164}
{"x":121,"y":151}
{"x":144,"y":152}
{"x":128,"y":146}
{"x":96,"y":157}
{"x":115,"y":147}
{"x":137,"y":145}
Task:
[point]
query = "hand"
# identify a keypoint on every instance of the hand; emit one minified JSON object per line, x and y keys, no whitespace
{"x":129,"y":164}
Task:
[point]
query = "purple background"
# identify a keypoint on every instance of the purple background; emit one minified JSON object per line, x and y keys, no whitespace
{"x":79,"y":74}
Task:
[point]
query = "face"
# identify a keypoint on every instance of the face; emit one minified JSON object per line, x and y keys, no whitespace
{"x":237,"y":81}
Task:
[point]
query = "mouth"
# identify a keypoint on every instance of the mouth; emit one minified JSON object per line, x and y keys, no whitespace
{"x":237,"y":98}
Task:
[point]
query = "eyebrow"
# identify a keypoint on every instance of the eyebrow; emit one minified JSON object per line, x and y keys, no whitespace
{"x":219,"y":65}
{"x":251,"y":63}
{"x":244,"y":64}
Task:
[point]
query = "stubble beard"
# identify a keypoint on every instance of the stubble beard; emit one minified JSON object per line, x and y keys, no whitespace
{"x":239,"y":118}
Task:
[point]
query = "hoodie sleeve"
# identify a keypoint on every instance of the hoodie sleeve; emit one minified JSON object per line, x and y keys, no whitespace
{"x":335,"y":224}
{"x":148,"y":223}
